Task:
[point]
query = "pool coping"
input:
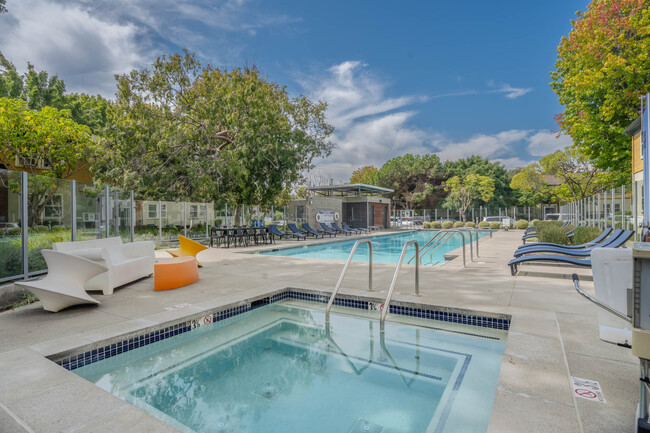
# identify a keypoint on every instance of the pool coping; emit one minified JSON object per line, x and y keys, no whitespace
{"x":86,"y":354}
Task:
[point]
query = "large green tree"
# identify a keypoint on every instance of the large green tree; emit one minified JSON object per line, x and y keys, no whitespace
{"x":182,"y":129}
{"x":39,"y":90}
{"x":47,"y":143}
{"x":565,"y":175}
{"x":503,"y":195}
{"x":602,"y":69}
{"x":415,"y":179}
{"x":463,"y":192}
{"x":366,"y":174}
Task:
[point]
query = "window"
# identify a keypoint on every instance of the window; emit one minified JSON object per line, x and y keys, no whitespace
{"x":30,"y":162}
{"x":53,"y":210}
{"x":197,"y":211}
{"x":152,"y":210}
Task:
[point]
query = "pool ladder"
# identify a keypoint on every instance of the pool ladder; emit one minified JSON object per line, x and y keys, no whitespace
{"x":386,"y":304}
{"x":444,"y":235}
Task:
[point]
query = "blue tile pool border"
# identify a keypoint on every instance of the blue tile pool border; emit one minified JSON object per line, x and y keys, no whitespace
{"x":76,"y":360}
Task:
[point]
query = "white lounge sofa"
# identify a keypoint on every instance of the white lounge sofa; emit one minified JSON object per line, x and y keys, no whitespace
{"x":125,"y":262}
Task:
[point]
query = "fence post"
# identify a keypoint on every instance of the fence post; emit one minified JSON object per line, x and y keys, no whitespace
{"x":185,"y":218}
{"x":160,"y":220}
{"x":207,"y":228}
{"x":73,"y":210}
{"x":107,"y":213}
{"x":133,"y":214}
{"x":623,"y":222}
{"x":613,"y":209}
{"x":24,"y":223}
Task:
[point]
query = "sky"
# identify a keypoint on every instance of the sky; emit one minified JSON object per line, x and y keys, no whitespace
{"x":455,"y":78}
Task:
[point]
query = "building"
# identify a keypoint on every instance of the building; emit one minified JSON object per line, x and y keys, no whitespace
{"x":634,"y":131}
{"x":359,"y":205}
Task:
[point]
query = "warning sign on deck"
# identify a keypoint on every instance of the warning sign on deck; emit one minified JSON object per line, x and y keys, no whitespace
{"x":587,"y":389}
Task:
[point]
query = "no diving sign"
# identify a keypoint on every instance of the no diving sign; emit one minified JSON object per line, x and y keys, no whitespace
{"x":587,"y":389}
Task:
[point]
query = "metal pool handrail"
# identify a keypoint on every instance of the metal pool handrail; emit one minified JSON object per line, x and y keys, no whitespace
{"x":429,"y":242}
{"x":345,"y":270}
{"x":470,"y":237}
{"x":386,"y":307}
{"x":443,"y":241}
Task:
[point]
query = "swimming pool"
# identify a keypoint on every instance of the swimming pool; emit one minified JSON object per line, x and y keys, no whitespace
{"x":385,"y":248}
{"x":276,"y":369}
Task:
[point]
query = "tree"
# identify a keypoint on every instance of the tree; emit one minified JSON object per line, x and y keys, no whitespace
{"x":462,"y":192}
{"x":415,"y":180}
{"x":602,"y":70}
{"x":503,"y":196}
{"x":183,"y":129}
{"x":572,"y":174}
{"x":366,"y":174}
{"x":47,"y":143}
{"x":3,"y":8}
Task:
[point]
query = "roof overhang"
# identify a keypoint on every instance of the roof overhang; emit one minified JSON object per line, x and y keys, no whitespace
{"x":350,"y":189}
{"x":634,"y":127}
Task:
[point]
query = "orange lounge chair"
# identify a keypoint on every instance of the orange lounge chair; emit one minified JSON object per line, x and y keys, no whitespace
{"x":187,"y":247}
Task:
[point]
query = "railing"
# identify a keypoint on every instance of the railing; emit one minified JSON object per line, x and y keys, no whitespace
{"x":442,"y":242}
{"x":386,"y":306}
{"x":620,"y":315}
{"x":345,"y":270}
{"x":476,"y":240}
{"x":429,"y":244}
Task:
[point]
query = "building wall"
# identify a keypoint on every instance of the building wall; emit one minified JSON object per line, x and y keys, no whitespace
{"x":637,"y":161}
{"x":362,"y":211}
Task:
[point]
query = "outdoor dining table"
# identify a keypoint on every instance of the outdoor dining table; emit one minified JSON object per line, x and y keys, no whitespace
{"x":231,"y":234}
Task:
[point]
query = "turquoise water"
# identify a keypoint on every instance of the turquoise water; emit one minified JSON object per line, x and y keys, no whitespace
{"x":277,"y":370}
{"x":385,"y":249}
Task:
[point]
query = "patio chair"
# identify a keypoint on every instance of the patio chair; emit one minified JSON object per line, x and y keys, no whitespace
{"x":311,"y":231}
{"x":294,"y":229}
{"x":562,"y":258}
{"x":592,"y":242}
{"x":63,"y":286}
{"x":357,"y":229}
{"x":187,"y":247}
{"x":327,"y":230}
{"x":613,"y":241}
{"x":338,"y":229}
{"x":276,"y":232}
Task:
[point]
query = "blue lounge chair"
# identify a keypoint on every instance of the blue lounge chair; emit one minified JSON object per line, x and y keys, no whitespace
{"x":316,"y":233}
{"x":327,"y":230}
{"x":347,"y":227}
{"x":337,"y":229}
{"x":556,"y":258}
{"x":294,"y":229}
{"x":276,"y":232}
{"x":612,"y":242}
{"x":547,"y":258}
{"x":594,"y":241}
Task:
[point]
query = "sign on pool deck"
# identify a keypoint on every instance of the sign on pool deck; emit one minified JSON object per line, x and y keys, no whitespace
{"x":587,"y":389}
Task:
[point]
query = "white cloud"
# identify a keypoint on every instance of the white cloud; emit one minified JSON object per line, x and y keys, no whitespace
{"x":83,"y":50}
{"x":485,"y":145}
{"x":371,"y":127}
{"x":86,"y":42}
{"x":509,"y":91}
{"x":545,"y":142}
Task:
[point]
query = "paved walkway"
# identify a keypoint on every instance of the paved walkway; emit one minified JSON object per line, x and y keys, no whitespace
{"x":553,"y":336}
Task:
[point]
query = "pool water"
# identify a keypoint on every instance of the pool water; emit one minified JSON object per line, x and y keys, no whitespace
{"x":385,"y":249}
{"x":277,"y":370}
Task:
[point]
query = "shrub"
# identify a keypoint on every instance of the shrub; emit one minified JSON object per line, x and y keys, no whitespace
{"x":39,"y":229}
{"x":458,"y":224}
{"x":495,"y":225}
{"x":218,"y":222}
{"x":553,"y":234}
{"x":522,"y":224}
{"x":585,"y":234}
{"x":59,"y":228}
{"x":470,"y":224}
{"x":436,"y":225}
{"x":447,"y":224}
{"x":534,"y":223}
{"x":15,"y":231}
{"x":483,"y":224}
{"x":426,"y":225}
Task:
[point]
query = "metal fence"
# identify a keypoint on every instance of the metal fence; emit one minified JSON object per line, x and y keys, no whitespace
{"x":616,"y":208}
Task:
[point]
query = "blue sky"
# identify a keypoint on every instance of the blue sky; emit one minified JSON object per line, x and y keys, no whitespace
{"x":452,"y":77}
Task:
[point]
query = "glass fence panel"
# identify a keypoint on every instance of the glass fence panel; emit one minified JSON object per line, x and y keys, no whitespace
{"x":89,"y":205}
{"x":11,"y":256}
{"x":196,"y":220}
{"x":48,"y":215}
{"x":124,"y":215}
{"x":146,"y":219}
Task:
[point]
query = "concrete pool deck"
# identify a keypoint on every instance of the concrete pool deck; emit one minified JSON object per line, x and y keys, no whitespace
{"x":553,"y":336}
